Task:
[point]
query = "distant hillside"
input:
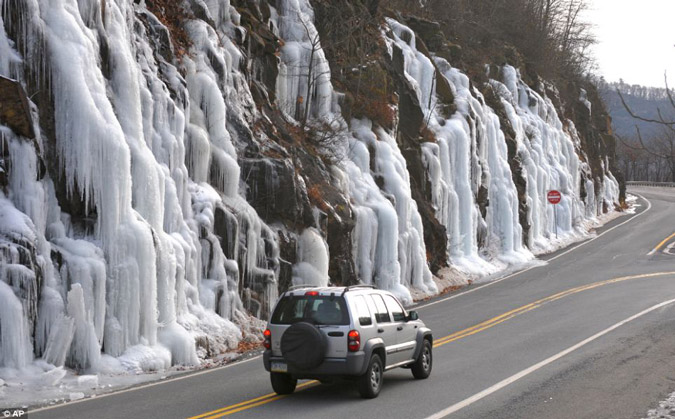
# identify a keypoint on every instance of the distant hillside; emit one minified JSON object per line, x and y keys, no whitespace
{"x":647,"y":102}
{"x":643,"y":101}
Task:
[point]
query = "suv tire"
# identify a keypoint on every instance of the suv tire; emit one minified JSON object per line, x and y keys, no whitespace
{"x":421,"y":369}
{"x":283,"y":383}
{"x":303,"y":346}
{"x":370,"y":383}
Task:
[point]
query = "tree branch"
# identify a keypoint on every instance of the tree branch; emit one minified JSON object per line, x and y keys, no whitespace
{"x":625,"y":144}
{"x":668,"y":92}
{"x":640,"y":118}
{"x":645,"y":147}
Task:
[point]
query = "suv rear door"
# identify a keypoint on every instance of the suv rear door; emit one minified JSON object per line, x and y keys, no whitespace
{"x":328,"y":312}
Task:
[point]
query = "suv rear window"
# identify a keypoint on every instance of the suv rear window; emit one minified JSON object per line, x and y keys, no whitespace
{"x":362,"y":311}
{"x":317,"y":309}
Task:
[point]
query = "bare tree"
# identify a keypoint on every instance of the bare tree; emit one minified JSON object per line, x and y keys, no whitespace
{"x":312,"y":76}
{"x":638,"y":164}
{"x":328,"y":136}
{"x":322,"y":132}
{"x":552,"y":34}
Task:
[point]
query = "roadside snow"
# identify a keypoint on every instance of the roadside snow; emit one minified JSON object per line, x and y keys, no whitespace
{"x":631,"y":201}
{"x":666,"y":409}
{"x":41,"y":384}
{"x":586,"y":229}
{"x":450,"y":278}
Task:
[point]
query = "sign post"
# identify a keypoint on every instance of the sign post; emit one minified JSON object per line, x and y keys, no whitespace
{"x":554,"y":198}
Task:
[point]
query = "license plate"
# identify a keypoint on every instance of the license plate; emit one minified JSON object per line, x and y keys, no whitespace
{"x":279,"y":367}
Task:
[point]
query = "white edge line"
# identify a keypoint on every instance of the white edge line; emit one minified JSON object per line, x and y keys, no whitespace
{"x":142,"y":386}
{"x":649,"y":206}
{"x":510,"y":380}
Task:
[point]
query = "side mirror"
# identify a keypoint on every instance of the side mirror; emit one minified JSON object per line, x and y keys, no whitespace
{"x":412,"y":315}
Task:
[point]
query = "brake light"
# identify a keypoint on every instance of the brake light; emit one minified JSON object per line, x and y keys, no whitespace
{"x":267,"y":343}
{"x":353,"y":341}
{"x":312,"y":293}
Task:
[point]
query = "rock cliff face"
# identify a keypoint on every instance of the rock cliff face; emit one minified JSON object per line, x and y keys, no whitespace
{"x":176,"y":165}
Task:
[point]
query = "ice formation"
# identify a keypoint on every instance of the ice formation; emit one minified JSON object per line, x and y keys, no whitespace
{"x":549,"y":149}
{"x":389,"y":249}
{"x":312,"y":266}
{"x":471,"y":153}
{"x":389,"y":227}
{"x":138,"y":143}
{"x":142,"y":252}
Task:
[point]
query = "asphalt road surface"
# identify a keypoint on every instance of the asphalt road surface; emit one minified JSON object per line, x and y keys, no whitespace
{"x":589,"y":335}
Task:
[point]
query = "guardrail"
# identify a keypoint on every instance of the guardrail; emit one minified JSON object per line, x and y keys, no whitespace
{"x":655,"y":184}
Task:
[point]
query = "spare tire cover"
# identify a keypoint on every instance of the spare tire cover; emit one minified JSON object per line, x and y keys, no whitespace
{"x":303,"y":346}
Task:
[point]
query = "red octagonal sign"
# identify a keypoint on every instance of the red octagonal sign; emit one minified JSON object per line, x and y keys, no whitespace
{"x":553,"y":196}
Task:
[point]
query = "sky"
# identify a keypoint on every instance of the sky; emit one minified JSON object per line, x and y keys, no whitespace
{"x":636,"y":40}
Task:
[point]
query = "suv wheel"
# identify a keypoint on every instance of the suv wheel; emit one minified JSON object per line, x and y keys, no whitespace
{"x":370,"y":383}
{"x":283,"y":383}
{"x":422,"y":367}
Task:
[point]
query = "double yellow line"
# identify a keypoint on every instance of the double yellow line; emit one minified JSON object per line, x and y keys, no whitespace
{"x":228,"y":410}
{"x":258,"y":401}
{"x":528,"y":307}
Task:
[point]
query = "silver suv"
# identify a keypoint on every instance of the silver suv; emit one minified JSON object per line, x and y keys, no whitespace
{"x":355,"y":332}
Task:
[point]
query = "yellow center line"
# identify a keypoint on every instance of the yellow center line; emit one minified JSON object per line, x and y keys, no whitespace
{"x":481,"y":326}
{"x":663,"y":243}
{"x":266,"y":396}
{"x":259,"y":401}
{"x":250,"y":406}
{"x":528,"y":307}
{"x":228,"y":410}
{"x":510,"y":314}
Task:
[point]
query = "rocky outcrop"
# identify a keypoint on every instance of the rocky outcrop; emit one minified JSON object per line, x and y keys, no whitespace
{"x":14,"y":110}
{"x":597,"y":142}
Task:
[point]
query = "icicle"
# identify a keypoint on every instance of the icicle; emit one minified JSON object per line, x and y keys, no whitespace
{"x":85,"y":352}
{"x":59,"y":340}
{"x":15,"y":347}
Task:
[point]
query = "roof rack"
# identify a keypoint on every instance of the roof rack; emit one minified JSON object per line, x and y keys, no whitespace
{"x":353,"y":287}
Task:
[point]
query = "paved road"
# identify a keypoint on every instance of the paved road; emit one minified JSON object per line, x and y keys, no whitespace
{"x":589,"y":335}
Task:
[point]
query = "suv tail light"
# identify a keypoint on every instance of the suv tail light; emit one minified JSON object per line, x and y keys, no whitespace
{"x":267,"y":343}
{"x":353,"y":341}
